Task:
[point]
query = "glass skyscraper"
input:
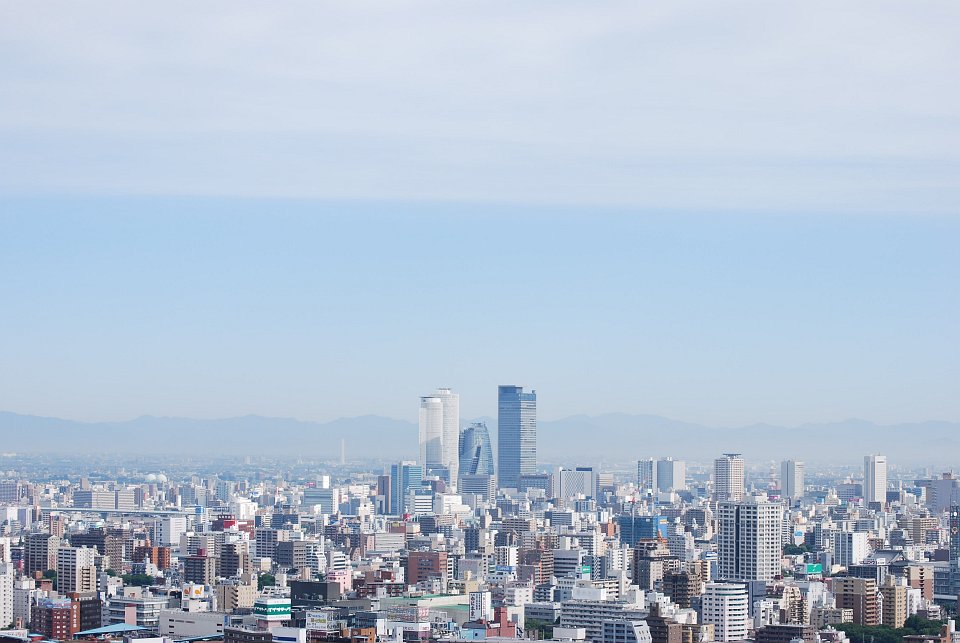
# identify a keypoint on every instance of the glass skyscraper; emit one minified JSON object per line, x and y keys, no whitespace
{"x":517,"y":435}
{"x":476,"y":454}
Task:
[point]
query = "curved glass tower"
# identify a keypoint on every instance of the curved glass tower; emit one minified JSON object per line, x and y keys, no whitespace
{"x":476,"y":454}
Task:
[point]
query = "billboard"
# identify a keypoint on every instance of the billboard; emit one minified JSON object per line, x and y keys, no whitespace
{"x":317,"y":621}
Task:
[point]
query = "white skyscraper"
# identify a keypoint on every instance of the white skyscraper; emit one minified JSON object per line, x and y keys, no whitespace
{"x":728,"y":481}
{"x":791,"y":479}
{"x":450,"y":457}
{"x":7,"y":574}
{"x":726,"y":607}
{"x":431,"y":433}
{"x":749,"y":534}
{"x":874,"y":478}
{"x":440,"y":434}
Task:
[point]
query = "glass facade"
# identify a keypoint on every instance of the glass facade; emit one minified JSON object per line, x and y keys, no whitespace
{"x":517,"y":435}
{"x":476,"y":454}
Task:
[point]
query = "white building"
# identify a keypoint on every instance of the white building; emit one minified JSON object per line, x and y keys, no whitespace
{"x":25,"y":592}
{"x":748,"y":539}
{"x":481,"y":606}
{"x":726,"y":607}
{"x":450,"y":453}
{"x":728,"y":474}
{"x":625,"y":632}
{"x":431,"y":433}
{"x":874,"y":478}
{"x":571,"y":483}
{"x":180,"y":624}
{"x":171,"y":529}
{"x":76,"y":569}
{"x":7,"y":574}
{"x":590,"y":614}
{"x":671,"y":475}
{"x":850,"y":547}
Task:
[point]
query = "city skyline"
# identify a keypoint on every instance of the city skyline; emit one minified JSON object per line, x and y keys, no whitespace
{"x":410,"y":321}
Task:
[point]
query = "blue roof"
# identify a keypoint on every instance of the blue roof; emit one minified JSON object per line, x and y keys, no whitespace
{"x":118,"y":628}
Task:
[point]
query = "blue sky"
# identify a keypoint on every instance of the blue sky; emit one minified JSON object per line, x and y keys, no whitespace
{"x":726,"y":213}
{"x":116,"y":307}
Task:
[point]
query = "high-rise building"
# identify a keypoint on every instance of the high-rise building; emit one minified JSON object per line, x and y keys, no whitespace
{"x":404,"y":478}
{"x":728,"y":477}
{"x":893,"y":594}
{"x":726,"y":607}
{"x":671,"y":475}
{"x":439,"y":434}
{"x":76,"y":569}
{"x":646,"y":473}
{"x":431,"y":434}
{"x":450,"y":452}
{"x":850,"y":547}
{"x":7,"y":575}
{"x":791,"y":479}
{"x":517,"y":433}
{"x":749,"y":534}
{"x":575,"y":482}
{"x":859,"y":595}
{"x":40,"y":552}
{"x":476,"y":454}
{"x":874,"y":478}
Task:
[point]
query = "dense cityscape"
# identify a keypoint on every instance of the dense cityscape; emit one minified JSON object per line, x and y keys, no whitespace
{"x":475,"y":542}
{"x":268,"y":270}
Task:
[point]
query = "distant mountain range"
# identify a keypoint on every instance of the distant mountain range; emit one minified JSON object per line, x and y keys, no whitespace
{"x":611,"y":437}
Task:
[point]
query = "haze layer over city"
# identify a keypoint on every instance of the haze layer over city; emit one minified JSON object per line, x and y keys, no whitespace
{"x":418,"y":321}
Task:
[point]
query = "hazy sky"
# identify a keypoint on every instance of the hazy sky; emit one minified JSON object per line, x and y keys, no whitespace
{"x":721,"y":212}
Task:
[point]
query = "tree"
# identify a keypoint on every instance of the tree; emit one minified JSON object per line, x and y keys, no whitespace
{"x":52,"y":575}
{"x":266,"y":580}
{"x":111,"y":572}
{"x":138,"y":580}
{"x":543,"y":628}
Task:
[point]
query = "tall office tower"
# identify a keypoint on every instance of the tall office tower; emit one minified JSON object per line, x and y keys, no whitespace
{"x":450,"y":453}
{"x":646,"y":473}
{"x":476,"y":454}
{"x":791,"y":479}
{"x":431,"y":433}
{"x":726,"y":607}
{"x":671,"y":475}
{"x":874,"y":478}
{"x":749,"y":534}
{"x":404,"y":478}
{"x":517,"y":432}
{"x":728,"y":477}
{"x":76,"y":569}
{"x":439,"y":434}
